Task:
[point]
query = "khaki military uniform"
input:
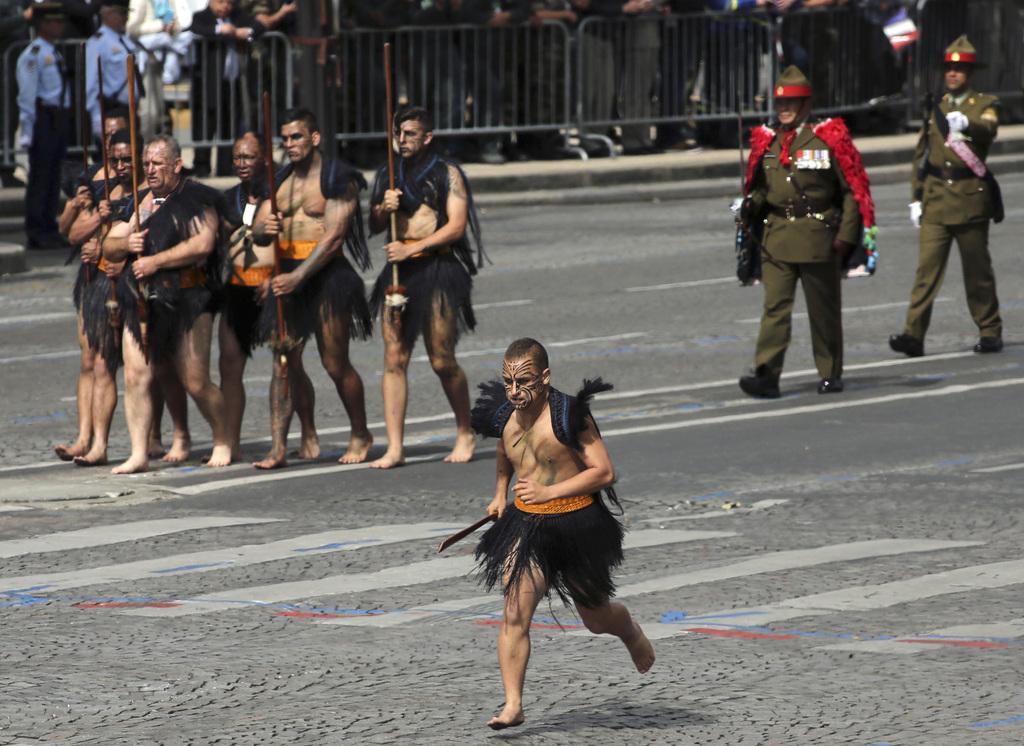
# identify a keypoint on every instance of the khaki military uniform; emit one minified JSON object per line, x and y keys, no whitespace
{"x":797,"y":245}
{"x":956,"y":204}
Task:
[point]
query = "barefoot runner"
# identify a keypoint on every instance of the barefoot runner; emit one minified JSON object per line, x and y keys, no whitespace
{"x":435,"y":260}
{"x":323,"y":295}
{"x":558,"y":534}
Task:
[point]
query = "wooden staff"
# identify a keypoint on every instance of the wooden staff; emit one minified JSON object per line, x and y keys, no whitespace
{"x":103,"y":133}
{"x":268,"y":162}
{"x":142,"y":299}
{"x":460,"y":535}
{"x":83,"y":129}
{"x":394,"y":296}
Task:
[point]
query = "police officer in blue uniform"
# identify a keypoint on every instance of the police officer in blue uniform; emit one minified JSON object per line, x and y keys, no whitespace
{"x":112,"y":47}
{"x":44,"y":100}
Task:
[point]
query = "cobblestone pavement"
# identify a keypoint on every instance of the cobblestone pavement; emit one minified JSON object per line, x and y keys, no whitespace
{"x":814,"y":570}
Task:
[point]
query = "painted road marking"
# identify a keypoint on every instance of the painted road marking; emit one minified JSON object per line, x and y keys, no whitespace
{"x":686,"y":284}
{"x":33,"y":318}
{"x":958,"y":636}
{"x":40,"y":356}
{"x":116,"y":533}
{"x":861,"y":597}
{"x":995,"y":469}
{"x":876,"y":307}
{"x":562,"y":343}
{"x":756,"y":565}
{"x":720,"y":513}
{"x":13,"y":508}
{"x":250,"y":554}
{"x":809,"y":408}
{"x":502,"y":304}
{"x":416,"y":573}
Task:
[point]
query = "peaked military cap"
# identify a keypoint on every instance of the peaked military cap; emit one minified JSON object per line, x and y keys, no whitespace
{"x":45,"y":9}
{"x":962,"y":51}
{"x":792,"y":84}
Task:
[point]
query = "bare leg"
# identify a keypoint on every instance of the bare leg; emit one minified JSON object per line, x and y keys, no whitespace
{"x":285,"y":380}
{"x":172,"y":392}
{"x":613,"y":619}
{"x":332,"y":343}
{"x":439,"y":339}
{"x":104,"y":401}
{"x":232,"y":369}
{"x":395,"y":389}
{"x":514,"y":648}
{"x":156,"y":442}
{"x":304,"y":397}
{"x":192,"y":362}
{"x":138,"y":405}
{"x":83,"y":397}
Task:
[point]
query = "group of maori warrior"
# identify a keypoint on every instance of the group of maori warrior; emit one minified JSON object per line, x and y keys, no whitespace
{"x":276,"y":256}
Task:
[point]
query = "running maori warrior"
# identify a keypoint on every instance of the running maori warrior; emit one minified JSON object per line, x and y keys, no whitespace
{"x":434,"y":207}
{"x":171,"y":288}
{"x":249,"y":267}
{"x":558,"y":534}
{"x":323,"y":295}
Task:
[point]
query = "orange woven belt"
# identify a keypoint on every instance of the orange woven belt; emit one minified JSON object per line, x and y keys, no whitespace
{"x":558,"y":505}
{"x":296,"y":249}
{"x":103,"y":265}
{"x":189,"y":277}
{"x":252,"y":277}
{"x":424,"y":254}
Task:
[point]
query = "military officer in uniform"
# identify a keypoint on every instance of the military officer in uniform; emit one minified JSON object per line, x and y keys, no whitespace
{"x":807,"y":185}
{"x":955,"y":196}
{"x":44,"y":98}
{"x":112,"y":47}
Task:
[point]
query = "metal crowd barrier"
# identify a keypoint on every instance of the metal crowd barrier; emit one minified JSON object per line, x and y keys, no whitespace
{"x":222,"y":98}
{"x":474,"y":80}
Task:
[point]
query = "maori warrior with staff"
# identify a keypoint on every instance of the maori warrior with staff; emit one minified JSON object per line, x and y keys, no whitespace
{"x":320,"y":292}
{"x":428,"y":211}
{"x":173,"y":282}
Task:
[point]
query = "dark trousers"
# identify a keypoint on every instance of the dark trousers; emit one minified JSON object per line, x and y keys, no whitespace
{"x":45,"y":156}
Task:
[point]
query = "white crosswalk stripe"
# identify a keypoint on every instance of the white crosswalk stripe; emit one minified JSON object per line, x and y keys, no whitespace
{"x":403,"y":575}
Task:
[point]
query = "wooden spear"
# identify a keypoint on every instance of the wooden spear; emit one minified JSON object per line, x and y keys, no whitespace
{"x":460,"y":535}
{"x":394,"y":297}
{"x":268,"y":163}
{"x":142,"y":299}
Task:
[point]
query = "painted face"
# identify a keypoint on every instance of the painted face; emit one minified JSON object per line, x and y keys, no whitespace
{"x":956,"y":76}
{"x":298,"y":141}
{"x":121,"y":160}
{"x":791,"y":110}
{"x":524,"y":383}
{"x":161,"y":168}
{"x":246,"y":158}
{"x":412,"y":138}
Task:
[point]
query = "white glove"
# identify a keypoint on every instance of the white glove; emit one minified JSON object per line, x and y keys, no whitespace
{"x":915,"y":214}
{"x":25,"y":142}
{"x":736,"y":206}
{"x":957,"y":121}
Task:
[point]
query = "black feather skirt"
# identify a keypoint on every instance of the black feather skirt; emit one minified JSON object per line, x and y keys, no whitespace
{"x":241,"y":310}
{"x":336,"y":290}
{"x":86,"y":274}
{"x":576,"y":552}
{"x":172,"y":311}
{"x":438,"y":276}
{"x":102,"y":337}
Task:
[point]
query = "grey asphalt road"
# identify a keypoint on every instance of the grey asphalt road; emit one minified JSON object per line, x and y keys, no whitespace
{"x":814,"y":570}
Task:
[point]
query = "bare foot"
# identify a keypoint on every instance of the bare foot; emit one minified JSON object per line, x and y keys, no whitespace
{"x":220,"y":455}
{"x":389,"y":461}
{"x":309,"y":448}
{"x":509,"y":717}
{"x":465,"y":445}
{"x":640,"y":649}
{"x":179,"y":452}
{"x":93,"y":458}
{"x":358,"y":449}
{"x":132,"y":466}
{"x":156,"y":448}
{"x":68,"y":453}
{"x":273,"y":460}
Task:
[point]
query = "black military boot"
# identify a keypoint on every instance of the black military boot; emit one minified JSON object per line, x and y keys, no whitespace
{"x":760,"y":386}
{"x":989,"y":344}
{"x":909,"y":346}
{"x":830,"y":386}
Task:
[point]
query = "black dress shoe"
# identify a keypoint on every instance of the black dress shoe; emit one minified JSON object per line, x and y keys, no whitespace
{"x":989,"y":344}
{"x":830,"y":386}
{"x":761,"y":387}
{"x":909,"y":346}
